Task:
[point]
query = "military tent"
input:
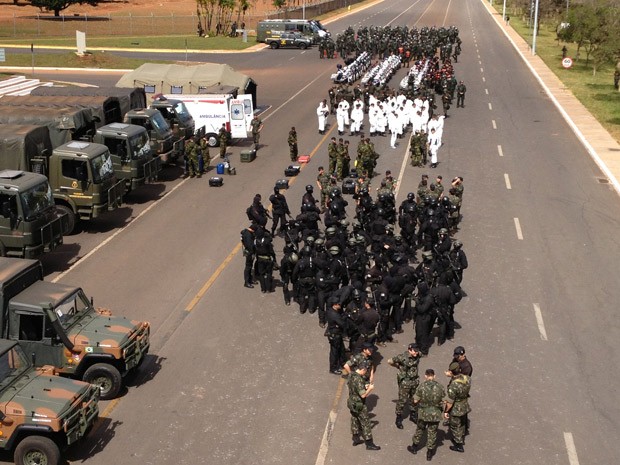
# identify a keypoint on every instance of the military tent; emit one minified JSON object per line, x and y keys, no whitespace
{"x":191,"y":79}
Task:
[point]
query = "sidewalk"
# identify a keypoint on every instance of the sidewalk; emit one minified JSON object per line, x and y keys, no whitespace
{"x":603,"y":148}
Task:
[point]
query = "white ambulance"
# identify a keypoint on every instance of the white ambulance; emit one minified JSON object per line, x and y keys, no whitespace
{"x":212,"y":110}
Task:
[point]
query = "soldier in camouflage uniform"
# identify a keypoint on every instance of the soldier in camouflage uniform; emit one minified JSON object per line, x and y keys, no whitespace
{"x":364,"y":355}
{"x":429,"y":399}
{"x":341,"y":153}
{"x":223,"y":136}
{"x":408,"y":381}
{"x":191,"y":158}
{"x":359,"y":389}
{"x":206,"y":156}
{"x":322,"y":181}
{"x":458,"y":407}
{"x":292,"y":144}
{"x":415,"y":147}
{"x":332,"y":153}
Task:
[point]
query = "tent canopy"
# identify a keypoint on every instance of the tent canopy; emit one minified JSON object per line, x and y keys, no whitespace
{"x":186,"y":79}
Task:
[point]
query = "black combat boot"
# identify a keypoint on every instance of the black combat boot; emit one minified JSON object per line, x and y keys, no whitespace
{"x":371,"y":445}
{"x":457,"y":448}
{"x":429,"y":454}
{"x":399,"y":421}
{"x":413,"y":448}
{"x":413,"y":416}
{"x":357,"y":440}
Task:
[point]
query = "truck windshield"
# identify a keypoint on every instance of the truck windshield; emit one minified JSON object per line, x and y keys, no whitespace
{"x":182,"y":111}
{"x":160,"y":124}
{"x":36,"y":200}
{"x":102,"y":167}
{"x":140,"y":145}
{"x":71,"y":307}
{"x":12,"y":364}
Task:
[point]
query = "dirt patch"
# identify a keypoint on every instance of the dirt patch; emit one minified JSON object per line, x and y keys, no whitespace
{"x":137,"y":7}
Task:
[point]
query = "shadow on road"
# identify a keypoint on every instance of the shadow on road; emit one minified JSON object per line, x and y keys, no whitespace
{"x":103,"y":432}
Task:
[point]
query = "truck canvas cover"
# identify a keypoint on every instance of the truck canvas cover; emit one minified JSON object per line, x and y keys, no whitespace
{"x":18,"y":143}
{"x":106,"y":109}
{"x":64,"y":124}
{"x":127,"y":98}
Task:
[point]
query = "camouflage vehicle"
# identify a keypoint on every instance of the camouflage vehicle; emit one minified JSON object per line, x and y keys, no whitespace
{"x":41,"y":414}
{"x":59,"y":326}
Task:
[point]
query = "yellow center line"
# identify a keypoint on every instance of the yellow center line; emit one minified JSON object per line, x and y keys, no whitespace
{"x":207,"y":285}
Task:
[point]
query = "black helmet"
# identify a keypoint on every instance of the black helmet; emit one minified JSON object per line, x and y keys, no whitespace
{"x":309,"y":188}
{"x":357,"y":295}
{"x":411,"y":196}
{"x":457,"y":244}
{"x":335,"y":192}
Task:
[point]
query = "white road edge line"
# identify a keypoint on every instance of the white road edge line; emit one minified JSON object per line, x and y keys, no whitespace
{"x":327,"y":434}
{"x":541,"y":325}
{"x":570,"y":448}
{"x":507,"y":179}
{"x":500,"y":151}
{"x":518,"y":228}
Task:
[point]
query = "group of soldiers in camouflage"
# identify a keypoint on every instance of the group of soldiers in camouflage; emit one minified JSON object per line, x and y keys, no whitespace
{"x":327,"y":48}
{"x":196,"y":157}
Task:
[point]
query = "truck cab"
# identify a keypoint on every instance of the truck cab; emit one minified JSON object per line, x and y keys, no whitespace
{"x":59,"y":326}
{"x":163,"y":143}
{"x":177,"y":115}
{"x":131,"y":153}
{"x":83,"y":181}
{"x":30,"y":224}
{"x":40,"y":413}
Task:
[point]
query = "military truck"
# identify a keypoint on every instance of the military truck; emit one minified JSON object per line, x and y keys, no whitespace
{"x":59,"y":325}
{"x":166,"y":140}
{"x":40,"y":413}
{"x":30,"y":224}
{"x":129,"y":145}
{"x":131,"y":153}
{"x":80,"y":173}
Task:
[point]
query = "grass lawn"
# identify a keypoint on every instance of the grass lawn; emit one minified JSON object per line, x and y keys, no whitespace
{"x":595,"y":92}
{"x":180,"y":43}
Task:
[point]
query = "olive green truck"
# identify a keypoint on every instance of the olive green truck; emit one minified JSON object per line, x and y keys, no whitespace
{"x":58,"y":325}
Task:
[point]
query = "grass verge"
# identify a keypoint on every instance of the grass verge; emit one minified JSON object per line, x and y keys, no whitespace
{"x":595,"y":92}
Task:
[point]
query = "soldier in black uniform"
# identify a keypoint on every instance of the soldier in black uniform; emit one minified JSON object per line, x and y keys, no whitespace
{"x":304,"y":275}
{"x":308,"y":199}
{"x":265,"y":260}
{"x":444,"y":300}
{"x":279,"y":208}
{"x":287,"y":265}
{"x":247,"y":242}
{"x":336,"y":328}
{"x":423,"y":318}
{"x":256,"y":212}
{"x":458,"y":259}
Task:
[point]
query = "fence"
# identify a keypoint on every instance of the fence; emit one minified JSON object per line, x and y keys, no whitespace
{"x":39,"y":26}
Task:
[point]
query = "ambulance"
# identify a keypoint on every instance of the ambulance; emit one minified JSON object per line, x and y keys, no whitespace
{"x":212,"y":110}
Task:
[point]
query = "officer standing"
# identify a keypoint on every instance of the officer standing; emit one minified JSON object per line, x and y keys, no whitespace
{"x":247,"y":242}
{"x":191,"y":158}
{"x":336,"y":328}
{"x":257,"y":126}
{"x":457,"y":407}
{"x":223,"y":136}
{"x":322,"y":181}
{"x":332,"y":152}
{"x":265,"y":260}
{"x":321,"y":112}
{"x":206,"y":156}
{"x":460,"y":95}
{"x":364,"y":355}
{"x":358,"y":392}
{"x":408,"y":381}
{"x":429,"y":398}
{"x":292,"y":144}
{"x":279,"y":209}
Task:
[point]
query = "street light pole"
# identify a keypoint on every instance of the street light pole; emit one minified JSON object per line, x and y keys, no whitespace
{"x":535,"y":28}
{"x":504,"y":12}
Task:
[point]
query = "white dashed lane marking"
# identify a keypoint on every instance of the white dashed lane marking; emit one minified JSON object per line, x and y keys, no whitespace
{"x":494,"y":124}
{"x":570,"y":448}
{"x":486,"y":91}
{"x":540,"y":322}
{"x":518,"y":228}
{"x":483,"y":79}
{"x":490,"y":106}
{"x":500,"y":151}
{"x":507,"y":179}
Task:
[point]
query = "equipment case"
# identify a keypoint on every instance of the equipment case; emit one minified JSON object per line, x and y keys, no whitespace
{"x":348,"y":186}
{"x":216,"y":181}
{"x":292,"y":170}
{"x":248,"y":156}
{"x":282,"y":183}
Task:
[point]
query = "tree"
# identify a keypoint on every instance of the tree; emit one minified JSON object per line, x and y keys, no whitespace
{"x":279,"y":4}
{"x":58,"y":5}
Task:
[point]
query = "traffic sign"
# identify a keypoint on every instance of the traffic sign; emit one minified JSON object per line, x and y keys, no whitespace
{"x":567,"y":62}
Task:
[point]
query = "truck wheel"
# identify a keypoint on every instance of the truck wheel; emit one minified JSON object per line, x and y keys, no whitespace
{"x":36,"y":450}
{"x":303,"y":46}
{"x":213,"y":140}
{"x":107,"y":377}
{"x":71,"y":220}
{"x":274,"y":45}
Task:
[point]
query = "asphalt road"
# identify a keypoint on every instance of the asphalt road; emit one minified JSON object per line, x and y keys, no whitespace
{"x":236,"y":377}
